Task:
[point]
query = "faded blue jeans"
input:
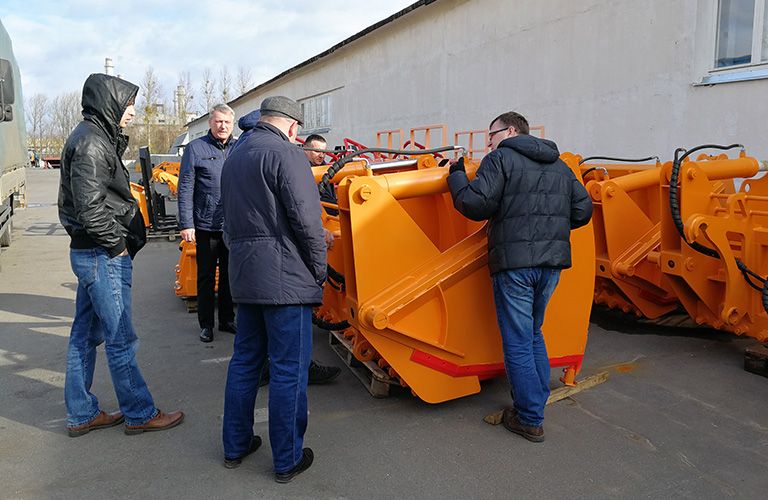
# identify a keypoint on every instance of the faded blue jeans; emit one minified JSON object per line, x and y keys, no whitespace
{"x":103,"y":315}
{"x":521,"y":297}
{"x":285,"y":333}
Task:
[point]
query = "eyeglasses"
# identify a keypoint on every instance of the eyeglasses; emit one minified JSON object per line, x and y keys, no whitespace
{"x":493,"y":132}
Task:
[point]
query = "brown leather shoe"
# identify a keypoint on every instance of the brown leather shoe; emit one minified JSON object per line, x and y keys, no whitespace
{"x":102,"y":421}
{"x":512,"y":424}
{"x":161,"y":422}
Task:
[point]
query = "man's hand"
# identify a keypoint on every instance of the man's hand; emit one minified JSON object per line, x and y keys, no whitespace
{"x":123,"y":253}
{"x":457,"y":165}
{"x":188,"y":235}
{"x":328,"y":238}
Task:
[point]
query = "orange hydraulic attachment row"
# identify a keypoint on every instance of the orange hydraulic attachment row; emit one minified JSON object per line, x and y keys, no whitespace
{"x":644,"y":266}
{"x":410,"y":282}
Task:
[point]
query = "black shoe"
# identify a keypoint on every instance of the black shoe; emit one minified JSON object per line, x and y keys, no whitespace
{"x":319,"y":374}
{"x":264,"y":374}
{"x":228,"y":327}
{"x":306,"y":461}
{"x":206,"y":335}
{"x":234,"y":463}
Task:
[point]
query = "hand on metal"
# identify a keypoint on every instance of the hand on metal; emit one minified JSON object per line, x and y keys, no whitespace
{"x":188,"y":235}
{"x":328,"y":238}
{"x":457,"y":165}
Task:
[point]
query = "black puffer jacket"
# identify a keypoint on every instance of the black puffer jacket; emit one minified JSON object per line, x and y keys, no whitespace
{"x":95,"y":202}
{"x":532,"y":199}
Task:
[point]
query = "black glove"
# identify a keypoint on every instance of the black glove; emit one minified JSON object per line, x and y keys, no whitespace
{"x":456,"y":166}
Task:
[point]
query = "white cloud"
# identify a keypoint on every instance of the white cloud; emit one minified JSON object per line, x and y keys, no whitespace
{"x":63,"y":42}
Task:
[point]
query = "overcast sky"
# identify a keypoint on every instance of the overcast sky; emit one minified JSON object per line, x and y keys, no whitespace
{"x":58,"y":43}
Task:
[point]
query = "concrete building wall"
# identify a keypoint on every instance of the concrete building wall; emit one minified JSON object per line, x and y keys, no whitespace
{"x":610,"y":77}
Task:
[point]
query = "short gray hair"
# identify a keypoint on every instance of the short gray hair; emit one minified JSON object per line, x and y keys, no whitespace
{"x":224,"y":108}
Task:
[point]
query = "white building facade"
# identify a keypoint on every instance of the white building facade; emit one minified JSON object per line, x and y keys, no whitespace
{"x":603,"y":77}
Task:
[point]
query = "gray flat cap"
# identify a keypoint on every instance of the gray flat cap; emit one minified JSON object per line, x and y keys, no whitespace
{"x":282,"y":106}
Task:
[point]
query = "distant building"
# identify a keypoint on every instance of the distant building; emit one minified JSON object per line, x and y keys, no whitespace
{"x":616,"y":77}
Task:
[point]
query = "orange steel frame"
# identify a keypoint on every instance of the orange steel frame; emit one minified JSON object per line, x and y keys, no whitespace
{"x":417,"y":292}
{"x":642,"y":264}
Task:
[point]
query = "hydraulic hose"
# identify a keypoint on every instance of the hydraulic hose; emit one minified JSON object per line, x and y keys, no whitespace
{"x":325,"y":325}
{"x":674,"y":196}
{"x":324,"y":186}
{"x":623,"y":160}
{"x":674,"y":208}
{"x":336,"y":276}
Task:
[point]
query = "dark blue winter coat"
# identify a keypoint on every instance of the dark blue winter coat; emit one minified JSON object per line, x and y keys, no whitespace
{"x":531,"y":199}
{"x":200,"y":183}
{"x":277,"y":251}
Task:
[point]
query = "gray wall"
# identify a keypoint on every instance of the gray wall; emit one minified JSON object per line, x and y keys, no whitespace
{"x":602,"y":76}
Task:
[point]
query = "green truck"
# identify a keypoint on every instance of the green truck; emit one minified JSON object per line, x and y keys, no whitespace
{"x":14,"y":157}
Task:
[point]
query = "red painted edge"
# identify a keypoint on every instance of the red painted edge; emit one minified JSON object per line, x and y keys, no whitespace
{"x":483,"y":371}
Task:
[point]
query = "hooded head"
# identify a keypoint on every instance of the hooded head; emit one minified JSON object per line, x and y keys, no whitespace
{"x":249,"y":121}
{"x":105,"y":99}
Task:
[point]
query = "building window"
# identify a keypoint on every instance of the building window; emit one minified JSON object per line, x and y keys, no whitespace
{"x":742,"y":33}
{"x":317,"y":113}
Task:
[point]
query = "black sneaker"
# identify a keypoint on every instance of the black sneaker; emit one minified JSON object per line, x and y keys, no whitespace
{"x":319,"y":374}
{"x":206,"y":335}
{"x":234,"y":463}
{"x":304,"y":464}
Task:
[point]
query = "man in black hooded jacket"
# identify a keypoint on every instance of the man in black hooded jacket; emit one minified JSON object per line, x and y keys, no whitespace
{"x":532,"y":200}
{"x":106,"y":228}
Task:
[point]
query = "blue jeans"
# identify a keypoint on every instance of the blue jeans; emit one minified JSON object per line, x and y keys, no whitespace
{"x":103,"y":315}
{"x":521,"y":297}
{"x":285,"y":333}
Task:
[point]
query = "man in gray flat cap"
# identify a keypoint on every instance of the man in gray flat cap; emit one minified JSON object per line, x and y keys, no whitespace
{"x":277,"y":266}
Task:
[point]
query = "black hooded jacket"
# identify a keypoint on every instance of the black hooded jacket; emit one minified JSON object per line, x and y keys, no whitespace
{"x":532,"y":200}
{"x":95,"y":202}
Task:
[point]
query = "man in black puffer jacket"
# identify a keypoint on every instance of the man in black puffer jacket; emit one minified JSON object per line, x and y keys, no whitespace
{"x":532,"y":200}
{"x":103,"y":220}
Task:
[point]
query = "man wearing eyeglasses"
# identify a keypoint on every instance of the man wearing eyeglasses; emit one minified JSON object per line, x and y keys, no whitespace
{"x":532,"y":201}
{"x":277,"y":267}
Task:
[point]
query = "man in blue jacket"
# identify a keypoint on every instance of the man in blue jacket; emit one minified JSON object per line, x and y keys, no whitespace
{"x":318,"y":373}
{"x":277,"y":270}
{"x":201,"y":220}
{"x":532,"y":200}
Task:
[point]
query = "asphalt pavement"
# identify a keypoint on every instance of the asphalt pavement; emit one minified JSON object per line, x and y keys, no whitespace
{"x":677,"y":418}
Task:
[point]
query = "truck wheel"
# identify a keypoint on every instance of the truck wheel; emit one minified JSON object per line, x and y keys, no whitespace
{"x":5,"y":237}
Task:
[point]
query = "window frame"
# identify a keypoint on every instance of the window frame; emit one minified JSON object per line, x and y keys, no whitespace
{"x":756,"y":69}
{"x":312,"y":126}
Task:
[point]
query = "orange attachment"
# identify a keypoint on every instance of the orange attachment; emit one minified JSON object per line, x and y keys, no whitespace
{"x":138,"y":192}
{"x":643,"y":265}
{"x":413,"y":282}
{"x":186,"y":272}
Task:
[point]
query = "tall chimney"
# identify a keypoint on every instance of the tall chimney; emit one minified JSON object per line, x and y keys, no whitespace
{"x":109,"y":68}
{"x":181,"y":103}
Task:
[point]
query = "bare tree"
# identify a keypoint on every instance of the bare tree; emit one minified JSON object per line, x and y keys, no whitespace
{"x":225,"y":82}
{"x":185,"y":83}
{"x":65,"y":115}
{"x":244,"y":80}
{"x":38,"y":111}
{"x":207,"y":88}
{"x":151,"y":98}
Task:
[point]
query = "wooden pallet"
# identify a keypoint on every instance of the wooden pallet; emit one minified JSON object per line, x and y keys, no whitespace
{"x":190,"y":303}
{"x":756,"y":359}
{"x":376,"y":381}
{"x":558,"y":394}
